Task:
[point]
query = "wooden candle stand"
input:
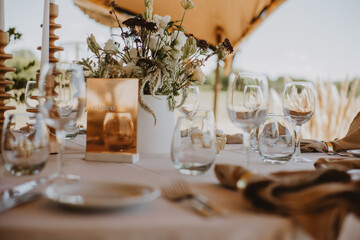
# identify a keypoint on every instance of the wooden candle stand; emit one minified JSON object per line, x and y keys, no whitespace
{"x":54,"y":13}
{"x":4,"y":41}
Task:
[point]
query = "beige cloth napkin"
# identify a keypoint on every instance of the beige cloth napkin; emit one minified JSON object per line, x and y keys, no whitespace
{"x":343,"y":164}
{"x":316,"y":200}
{"x":350,"y":141}
{"x":234,"y":138}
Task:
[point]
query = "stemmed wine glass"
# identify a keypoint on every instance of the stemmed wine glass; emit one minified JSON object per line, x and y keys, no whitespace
{"x":62,"y":94}
{"x":299,"y":103}
{"x":247,"y":99}
{"x":31,"y":101}
{"x":191,"y":103}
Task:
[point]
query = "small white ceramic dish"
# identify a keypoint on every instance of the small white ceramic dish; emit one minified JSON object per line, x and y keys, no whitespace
{"x":94,"y":195}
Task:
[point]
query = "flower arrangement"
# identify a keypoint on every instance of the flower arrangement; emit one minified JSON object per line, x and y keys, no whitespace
{"x":158,"y":52}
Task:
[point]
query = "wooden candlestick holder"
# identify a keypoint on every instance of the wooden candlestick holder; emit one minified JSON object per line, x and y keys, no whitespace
{"x":54,"y":13}
{"x":4,"y":41}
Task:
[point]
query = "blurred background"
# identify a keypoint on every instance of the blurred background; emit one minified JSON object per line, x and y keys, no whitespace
{"x":302,"y":40}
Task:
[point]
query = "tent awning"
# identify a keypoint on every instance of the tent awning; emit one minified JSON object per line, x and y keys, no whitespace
{"x":212,"y":20}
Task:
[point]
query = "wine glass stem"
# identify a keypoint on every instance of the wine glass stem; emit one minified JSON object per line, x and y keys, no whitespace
{"x":246,"y":141}
{"x":60,"y":136}
{"x":298,"y":133}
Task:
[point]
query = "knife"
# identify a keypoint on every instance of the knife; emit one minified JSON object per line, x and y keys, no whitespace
{"x":23,"y":188}
{"x":19,"y":200}
{"x":23,"y":192}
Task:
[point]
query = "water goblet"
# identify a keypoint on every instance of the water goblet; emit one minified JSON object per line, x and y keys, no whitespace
{"x":247,"y":99}
{"x":299,"y":103}
{"x":276,"y":139}
{"x":193,"y":148}
{"x":31,"y":97}
{"x":192,"y":101}
{"x":25,"y":143}
{"x":62,"y":94}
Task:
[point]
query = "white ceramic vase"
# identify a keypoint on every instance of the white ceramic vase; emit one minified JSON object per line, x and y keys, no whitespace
{"x":155,"y":138}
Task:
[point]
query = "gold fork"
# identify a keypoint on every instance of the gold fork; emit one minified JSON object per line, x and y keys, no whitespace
{"x":179,"y":190}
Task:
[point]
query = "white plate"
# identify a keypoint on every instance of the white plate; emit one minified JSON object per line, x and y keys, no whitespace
{"x":355,"y":152}
{"x":91,"y":195}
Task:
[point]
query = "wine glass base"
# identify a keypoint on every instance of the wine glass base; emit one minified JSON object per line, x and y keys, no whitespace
{"x":301,"y":159}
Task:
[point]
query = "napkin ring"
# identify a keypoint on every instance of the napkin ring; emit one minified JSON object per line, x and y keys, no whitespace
{"x":330,"y":147}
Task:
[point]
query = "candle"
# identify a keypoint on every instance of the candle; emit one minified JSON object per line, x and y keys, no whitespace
{"x":2,"y":16}
{"x":45,"y":35}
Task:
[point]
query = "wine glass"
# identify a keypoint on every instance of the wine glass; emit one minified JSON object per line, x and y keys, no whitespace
{"x":62,"y":94}
{"x":25,"y":143}
{"x":191,"y":103}
{"x":247,"y":99}
{"x":299,"y":103}
{"x":193,"y":148}
{"x":31,"y":101}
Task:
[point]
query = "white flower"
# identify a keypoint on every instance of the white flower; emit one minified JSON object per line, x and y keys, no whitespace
{"x":187,"y":4}
{"x":110,"y":46}
{"x":161,"y":22}
{"x":180,"y":39}
{"x":133,"y":53}
{"x":198,"y":76}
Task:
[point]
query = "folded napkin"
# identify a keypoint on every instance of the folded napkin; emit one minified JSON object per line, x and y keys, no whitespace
{"x":234,"y":138}
{"x":343,"y":164}
{"x":350,"y":141}
{"x":317,"y":200}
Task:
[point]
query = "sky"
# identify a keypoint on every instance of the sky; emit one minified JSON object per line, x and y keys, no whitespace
{"x":302,"y":39}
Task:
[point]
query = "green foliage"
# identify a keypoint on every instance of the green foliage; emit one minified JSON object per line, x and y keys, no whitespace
{"x":13,"y":35}
{"x":26,"y":64}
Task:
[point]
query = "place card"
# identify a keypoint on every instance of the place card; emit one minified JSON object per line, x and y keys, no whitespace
{"x":112,"y":120}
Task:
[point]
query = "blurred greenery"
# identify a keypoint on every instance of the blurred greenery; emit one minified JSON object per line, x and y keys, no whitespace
{"x":25,"y":63}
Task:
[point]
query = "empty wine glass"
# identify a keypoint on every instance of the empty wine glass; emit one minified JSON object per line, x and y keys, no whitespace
{"x":193,"y":148}
{"x":25,"y":143}
{"x":247,"y":99}
{"x":192,"y":101}
{"x":62,"y":94}
{"x":299,"y":103}
{"x":31,"y":93}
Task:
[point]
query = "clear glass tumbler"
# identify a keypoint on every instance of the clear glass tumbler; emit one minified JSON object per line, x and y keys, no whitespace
{"x":276,"y":139}
{"x":25,"y":143}
{"x":193,"y":147}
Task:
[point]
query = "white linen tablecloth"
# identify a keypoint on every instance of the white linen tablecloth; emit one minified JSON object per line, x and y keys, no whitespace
{"x":159,"y":219}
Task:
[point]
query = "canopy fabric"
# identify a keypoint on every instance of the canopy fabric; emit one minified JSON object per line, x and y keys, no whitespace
{"x":212,"y":20}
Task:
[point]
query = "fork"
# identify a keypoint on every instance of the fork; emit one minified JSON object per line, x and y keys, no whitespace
{"x":180,"y":190}
{"x":170,"y":193}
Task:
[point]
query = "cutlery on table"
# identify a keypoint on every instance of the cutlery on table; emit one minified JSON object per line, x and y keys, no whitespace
{"x":179,"y":190}
{"x":23,"y":193}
